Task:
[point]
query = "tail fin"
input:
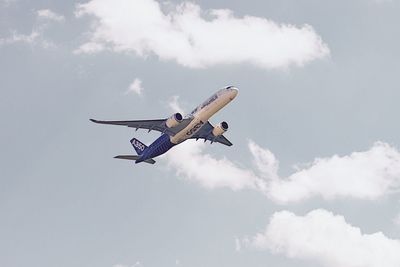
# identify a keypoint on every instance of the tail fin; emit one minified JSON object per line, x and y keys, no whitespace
{"x":138,"y":146}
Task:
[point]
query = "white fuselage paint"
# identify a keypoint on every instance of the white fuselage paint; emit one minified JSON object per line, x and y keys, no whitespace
{"x":204,"y":112}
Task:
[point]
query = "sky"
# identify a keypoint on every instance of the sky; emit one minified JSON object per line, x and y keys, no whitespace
{"x":312,"y":179}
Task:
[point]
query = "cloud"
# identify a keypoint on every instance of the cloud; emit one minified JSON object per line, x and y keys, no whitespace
{"x":196,"y":38}
{"x":174,"y":105}
{"x":23,"y":38}
{"x":368,"y":175}
{"x":327,"y":239}
{"x":36,"y":36}
{"x":50,"y":15}
{"x":207,"y":170}
{"x":364,"y":175}
{"x":135,"y":87}
{"x":33,"y":38}
{"x":89,"y":48}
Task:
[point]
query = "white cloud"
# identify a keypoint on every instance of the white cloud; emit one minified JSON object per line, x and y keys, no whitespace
{"x":364,"y":175}
{"x":34,"y":38}
{"x":23,"y":38}
{"x":50,"y":15}
{"x":174,"y":105}
{"x":196,"y":38}
{"x":135,"y":87}
{"x":327,"y":239}
{"x":207,"y":170}
{"x":89,"y":48}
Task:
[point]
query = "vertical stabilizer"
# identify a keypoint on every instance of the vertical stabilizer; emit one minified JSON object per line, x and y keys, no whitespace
{"x":138,"y":146}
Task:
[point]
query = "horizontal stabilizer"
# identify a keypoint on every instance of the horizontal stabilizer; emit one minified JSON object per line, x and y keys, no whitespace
{"x":134,"y":157}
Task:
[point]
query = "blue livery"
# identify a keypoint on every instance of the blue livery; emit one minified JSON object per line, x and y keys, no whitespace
{"x":158,"y":147}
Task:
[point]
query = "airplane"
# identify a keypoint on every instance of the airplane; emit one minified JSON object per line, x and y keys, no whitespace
{"x":176,"y":129}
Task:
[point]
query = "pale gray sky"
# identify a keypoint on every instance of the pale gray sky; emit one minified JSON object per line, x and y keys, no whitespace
{"x":327,"y":84}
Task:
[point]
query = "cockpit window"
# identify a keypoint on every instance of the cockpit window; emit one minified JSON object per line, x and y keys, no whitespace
{"x":229,"y":87}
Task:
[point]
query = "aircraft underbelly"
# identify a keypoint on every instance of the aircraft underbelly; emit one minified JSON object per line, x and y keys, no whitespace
{"x":190,"y":130}
{"x":158,"y":147}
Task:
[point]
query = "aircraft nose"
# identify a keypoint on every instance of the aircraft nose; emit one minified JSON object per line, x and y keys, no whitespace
{"x":233,"y":92}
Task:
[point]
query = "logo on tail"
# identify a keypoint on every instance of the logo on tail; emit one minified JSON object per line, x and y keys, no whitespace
{"x":138,"y":146}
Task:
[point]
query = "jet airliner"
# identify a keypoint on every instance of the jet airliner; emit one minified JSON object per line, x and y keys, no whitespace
{"x":176,"y":129}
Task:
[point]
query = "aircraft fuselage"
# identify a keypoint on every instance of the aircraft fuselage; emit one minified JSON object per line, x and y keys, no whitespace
{"x":200,"y":115}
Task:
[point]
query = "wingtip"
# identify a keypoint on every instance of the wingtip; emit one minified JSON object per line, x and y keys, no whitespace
{"x":93,"y":120}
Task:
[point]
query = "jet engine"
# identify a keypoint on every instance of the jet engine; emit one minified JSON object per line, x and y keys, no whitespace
{"x":174,"y":120}
{"x":220,"y":129}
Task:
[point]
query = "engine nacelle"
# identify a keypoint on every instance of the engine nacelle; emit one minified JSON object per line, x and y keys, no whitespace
{"x":220,"y":129}
{"x":174,"y":120}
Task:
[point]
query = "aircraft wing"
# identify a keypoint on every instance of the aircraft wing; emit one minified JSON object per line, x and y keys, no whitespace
{"x":205,"y":133}
{"x":156,"y":125}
